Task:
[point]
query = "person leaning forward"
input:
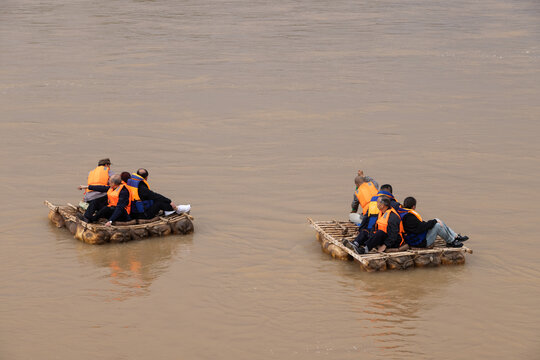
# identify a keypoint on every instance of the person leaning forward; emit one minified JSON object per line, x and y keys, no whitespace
{"x":419,"y":233}
{"x":99,"y":176}
{"x":148,"y":203}
{"x":118,"y":198}
{"x":366,"y":188}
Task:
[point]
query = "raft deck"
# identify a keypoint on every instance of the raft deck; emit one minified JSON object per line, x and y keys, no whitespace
{"x":332,"y":233}
{"x":70,"y":216}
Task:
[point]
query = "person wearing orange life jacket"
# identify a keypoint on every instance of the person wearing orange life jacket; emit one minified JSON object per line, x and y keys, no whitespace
{"x":139,"y":207}
{"x":366,"y":188}
{"x":152,"y":202}
{"x":119,"y":200}
{"x":95,"y":199}
{"x":387,"y":232}
{"x":419,"y":233}
{"x":369,"y":219}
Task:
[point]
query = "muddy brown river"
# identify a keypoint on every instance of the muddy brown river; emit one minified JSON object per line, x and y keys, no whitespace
{"x":259,"y":114}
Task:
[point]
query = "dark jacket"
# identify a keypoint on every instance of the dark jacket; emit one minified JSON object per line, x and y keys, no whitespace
{"x":393,"y":238}
{"x":411,"y":224}
{"x":395,"y":204}
{"x":123,"y":199}
{"x":146,"y":194}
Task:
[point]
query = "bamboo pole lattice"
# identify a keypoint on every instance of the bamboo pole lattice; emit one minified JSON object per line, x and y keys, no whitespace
{"x":334,"y":232}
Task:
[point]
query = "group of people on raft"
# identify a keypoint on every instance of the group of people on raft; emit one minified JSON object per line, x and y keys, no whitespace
{"x":385,"y":223}
{"x":123,"y":197}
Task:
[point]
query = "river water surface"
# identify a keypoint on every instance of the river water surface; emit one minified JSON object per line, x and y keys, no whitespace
{"x":259,"y":114}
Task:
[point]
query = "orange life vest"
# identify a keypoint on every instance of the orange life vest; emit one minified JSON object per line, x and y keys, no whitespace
{"x":411,"y":211}
{"x":382,"y":223}
{"x":412,"y":239}
{"x":114,"y":194}
{"x":99,"y":176}
{"x":133,"y":185}
{"x":364,"y":193}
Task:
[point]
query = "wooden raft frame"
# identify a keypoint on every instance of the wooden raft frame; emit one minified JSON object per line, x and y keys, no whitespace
{"x":331,"y":234}
{"x":69,"y":216}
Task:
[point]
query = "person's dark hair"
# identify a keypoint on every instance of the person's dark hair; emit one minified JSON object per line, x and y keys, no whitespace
{"x":142,"y":172}
{"x":104,"y":162}
{"x":125,"y":176}
{"x":409,"y":202}
{"x":385,"y":201}
{"x":387,"y":187}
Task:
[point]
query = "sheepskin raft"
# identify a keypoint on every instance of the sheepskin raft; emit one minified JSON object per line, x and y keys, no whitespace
{"x":70,"y":216}
{"x":331,"y":234}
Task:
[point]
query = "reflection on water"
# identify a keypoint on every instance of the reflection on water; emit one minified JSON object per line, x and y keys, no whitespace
{"x":130,"y":268}
{"x":395,"y":304}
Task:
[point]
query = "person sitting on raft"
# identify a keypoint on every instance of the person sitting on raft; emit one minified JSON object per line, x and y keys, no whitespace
{"x":390,"y":194}
{"x":148,"y":203}
{"x":366,"y":188}
{"x":119,"y":200}
{"x":370,"y":218}
{"x":95,"y":199}
{"x":387,"y":232}
{"x":419,"y":233}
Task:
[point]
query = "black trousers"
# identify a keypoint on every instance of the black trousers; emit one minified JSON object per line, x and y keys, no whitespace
{"x":369,"y":239}
{"x":362,"y":237}
{"x":95,"y":205}
{"x":376,"y":239}
{"x":107,"y":212}
{"x":158,"y":205}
